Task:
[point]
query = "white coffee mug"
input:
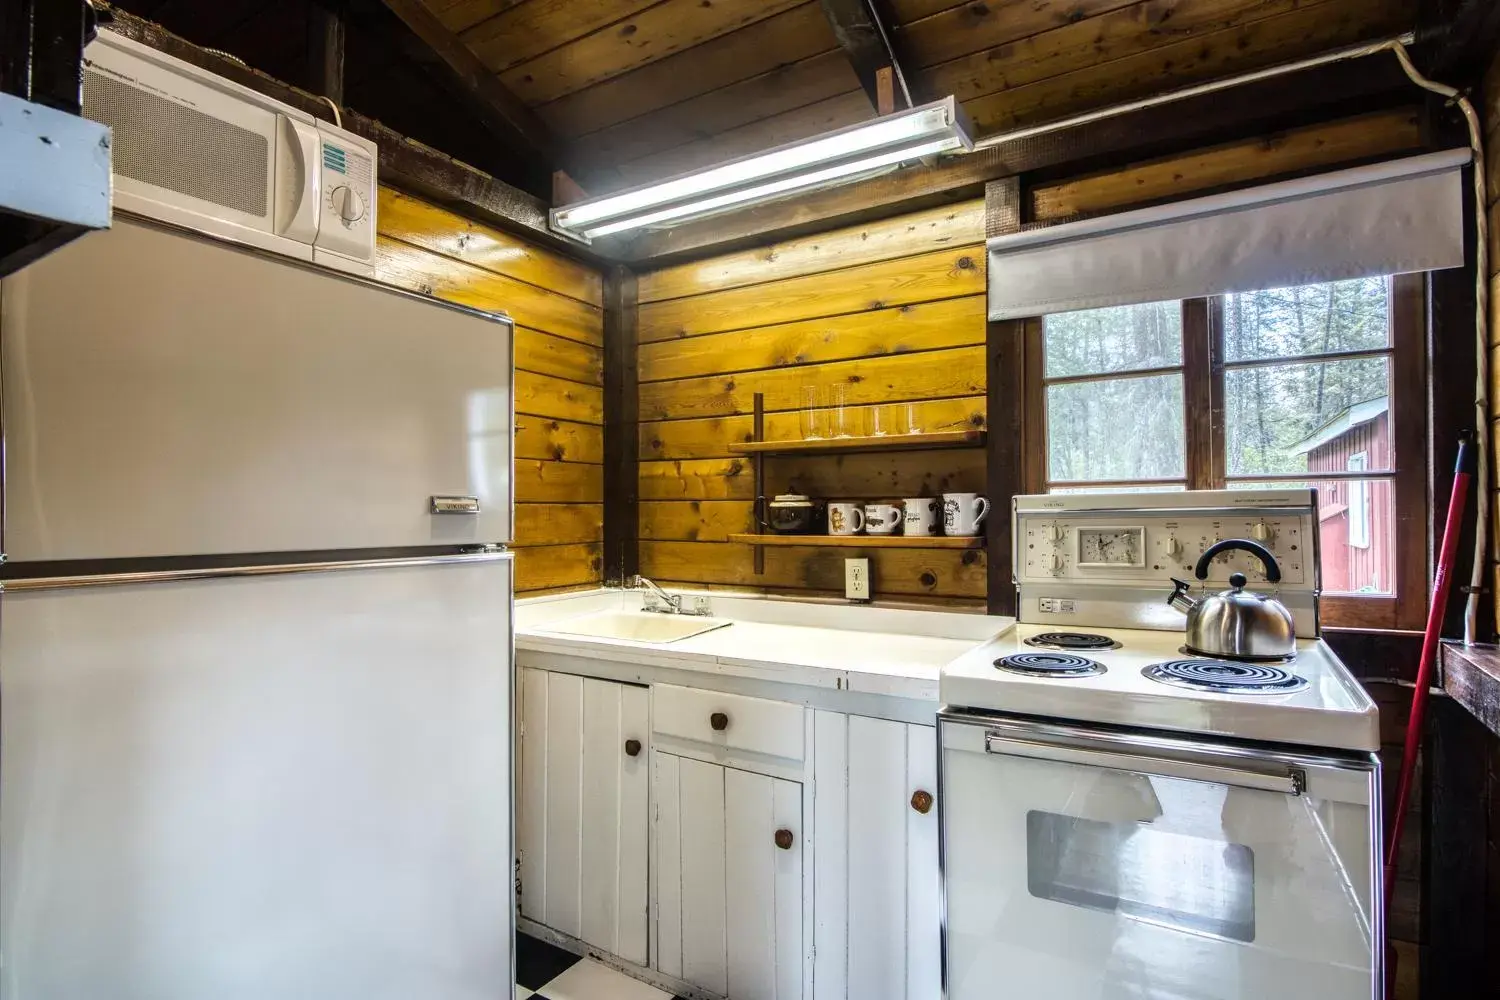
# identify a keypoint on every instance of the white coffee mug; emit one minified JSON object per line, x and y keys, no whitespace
{"x":921,"y":515}
{"x":963,"y":513}
{"x":845,"y":519}
{"x":882,"y":518}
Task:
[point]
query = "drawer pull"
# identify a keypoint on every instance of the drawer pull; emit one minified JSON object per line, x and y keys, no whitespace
{"x":921,"y":801}
{"x":784,"y":839}
{"x":632,"y":748}
{"x":718,"y":722}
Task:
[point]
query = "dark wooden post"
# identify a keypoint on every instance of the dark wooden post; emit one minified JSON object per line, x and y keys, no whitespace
{"x":621,"y":429}
{"x":325,"y":50}
{"x":1005,"y":347}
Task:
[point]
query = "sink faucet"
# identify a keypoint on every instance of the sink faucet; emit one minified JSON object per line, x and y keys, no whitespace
{"x":673,"y":602}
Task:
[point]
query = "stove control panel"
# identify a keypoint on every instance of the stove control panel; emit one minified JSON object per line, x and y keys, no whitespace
{"x":1151,"y":550}
{"x":1108,"y":559}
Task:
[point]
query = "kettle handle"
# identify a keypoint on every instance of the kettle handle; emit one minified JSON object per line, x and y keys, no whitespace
{"x":1273,"y":571}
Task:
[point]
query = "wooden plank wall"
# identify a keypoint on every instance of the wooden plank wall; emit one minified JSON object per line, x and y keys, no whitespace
{"x":892,"y":311}
{"x":557,"y":306}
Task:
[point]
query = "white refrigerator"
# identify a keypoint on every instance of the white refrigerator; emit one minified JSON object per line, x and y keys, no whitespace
{"x":255,"y":632}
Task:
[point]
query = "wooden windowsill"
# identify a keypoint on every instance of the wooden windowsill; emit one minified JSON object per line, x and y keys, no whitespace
{"x":1471,"y":677}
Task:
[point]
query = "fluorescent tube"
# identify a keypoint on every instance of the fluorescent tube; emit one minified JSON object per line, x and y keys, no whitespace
{"x":915,"y":132}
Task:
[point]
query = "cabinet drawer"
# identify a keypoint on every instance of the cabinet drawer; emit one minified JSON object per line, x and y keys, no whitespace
{"x":754,"y":724}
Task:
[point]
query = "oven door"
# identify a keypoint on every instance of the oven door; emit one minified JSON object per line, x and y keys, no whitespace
{"x":1087,"y":864}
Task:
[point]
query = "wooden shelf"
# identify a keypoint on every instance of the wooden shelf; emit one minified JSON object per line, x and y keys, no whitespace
{"x":888,"y":442}
{"x":863,"y":541}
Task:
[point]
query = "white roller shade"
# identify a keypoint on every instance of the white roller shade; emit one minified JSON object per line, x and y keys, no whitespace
{"x":1390,"y":218}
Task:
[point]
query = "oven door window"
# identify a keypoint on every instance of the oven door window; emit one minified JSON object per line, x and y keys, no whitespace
{"x":1178,"y":881}
{"x":1069,"y":880}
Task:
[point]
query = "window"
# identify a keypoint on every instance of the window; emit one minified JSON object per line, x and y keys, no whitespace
{"x":1316,"y":385}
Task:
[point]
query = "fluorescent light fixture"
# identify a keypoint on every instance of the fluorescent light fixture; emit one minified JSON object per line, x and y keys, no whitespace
{"x":916,"y":132}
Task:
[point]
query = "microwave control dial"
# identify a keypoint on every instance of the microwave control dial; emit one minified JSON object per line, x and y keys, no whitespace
{"x":347,"y":203}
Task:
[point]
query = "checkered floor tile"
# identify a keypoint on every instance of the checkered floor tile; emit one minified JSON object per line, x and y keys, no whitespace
{"x":546,"y":972}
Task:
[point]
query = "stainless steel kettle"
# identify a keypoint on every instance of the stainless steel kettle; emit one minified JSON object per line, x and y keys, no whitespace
{"x":1236,"y":624}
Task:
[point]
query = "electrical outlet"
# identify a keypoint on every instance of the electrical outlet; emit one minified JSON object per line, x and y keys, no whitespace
{"x":857,"y":579}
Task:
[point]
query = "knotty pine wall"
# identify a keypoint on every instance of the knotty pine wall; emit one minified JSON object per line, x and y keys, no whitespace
{"x":891,"y":311}
{"x":557,"y":306}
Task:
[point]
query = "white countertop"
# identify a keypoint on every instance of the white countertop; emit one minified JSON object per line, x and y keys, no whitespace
{"x":897,"y":652}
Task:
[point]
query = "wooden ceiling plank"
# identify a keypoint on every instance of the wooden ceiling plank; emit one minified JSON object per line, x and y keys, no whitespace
{"x":985,"y":24}
{"x":1095,"y":40}
{"x":655,"y":33}
{"x":502,"y":112}
{"x":460,"y":15}
{"x":793,"y":35}
{"x":782,"y":89}
{"x":907,"y":11}
{"x":866,"y":43}
{"x":527,"y":30}
{"x":1269,"y":105}
{"x":1222,"y":53}
{"x":800,"y":123}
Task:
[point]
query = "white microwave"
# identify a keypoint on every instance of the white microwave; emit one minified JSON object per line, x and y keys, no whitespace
{"x":199,"y":151}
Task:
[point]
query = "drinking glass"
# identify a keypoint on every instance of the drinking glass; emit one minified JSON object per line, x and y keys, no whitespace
{"x":913,"y":422}
{"x":837,"y":399}
{"x":811,"y":415}
{"x":882,"y":421}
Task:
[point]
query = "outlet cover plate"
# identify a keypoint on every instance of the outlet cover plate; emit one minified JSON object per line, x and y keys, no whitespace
{"x":857,"y":579}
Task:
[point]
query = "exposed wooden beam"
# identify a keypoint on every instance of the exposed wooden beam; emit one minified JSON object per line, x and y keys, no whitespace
{"x":1324,"y":93}
{"x":1458,"y":39}
{"x":404,"y":163}
{"x":503,"y":112}
{"x":861,"y":33}
{"x":325,"y":51}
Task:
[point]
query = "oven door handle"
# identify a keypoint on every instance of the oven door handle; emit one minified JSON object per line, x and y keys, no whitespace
{"x":1289,"y":781}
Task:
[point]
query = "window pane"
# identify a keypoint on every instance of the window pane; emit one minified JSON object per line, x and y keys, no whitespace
{"x":1117,"y":339}
{"x":1356,"y":532}
{"x":1128,"y":428}
{"x":1307,"y":417}
{"x":1307,"y":319}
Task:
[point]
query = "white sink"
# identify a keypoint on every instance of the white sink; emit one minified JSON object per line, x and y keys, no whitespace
{"x":636,"y":626}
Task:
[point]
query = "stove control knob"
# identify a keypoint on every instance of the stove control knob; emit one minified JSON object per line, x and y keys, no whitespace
{"x":1174,"y":547}
{"x":1263,"y":532}
{"x":1055,"y":533}
{"x":1054,"y":562}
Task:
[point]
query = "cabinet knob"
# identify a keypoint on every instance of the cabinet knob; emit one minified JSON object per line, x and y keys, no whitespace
{"x":718,"y":722}
{"x":784,"y":839}
{"x":921,"y":801}
{"x":632,"y":748}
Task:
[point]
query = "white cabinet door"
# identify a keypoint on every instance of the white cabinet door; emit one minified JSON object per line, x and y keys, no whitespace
{"x":582,"y":820}
{"x":877,"y":880}
{"x":729,"y":879}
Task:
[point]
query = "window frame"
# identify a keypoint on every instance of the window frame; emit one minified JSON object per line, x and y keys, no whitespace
{"x":1203,"y":372}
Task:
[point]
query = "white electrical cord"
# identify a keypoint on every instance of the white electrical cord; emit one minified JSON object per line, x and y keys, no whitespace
{"x":1481,"y":329}
{"x":338,"y":119}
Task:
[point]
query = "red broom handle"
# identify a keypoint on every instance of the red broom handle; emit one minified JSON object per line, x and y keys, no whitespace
{"x":1463,"y":475}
